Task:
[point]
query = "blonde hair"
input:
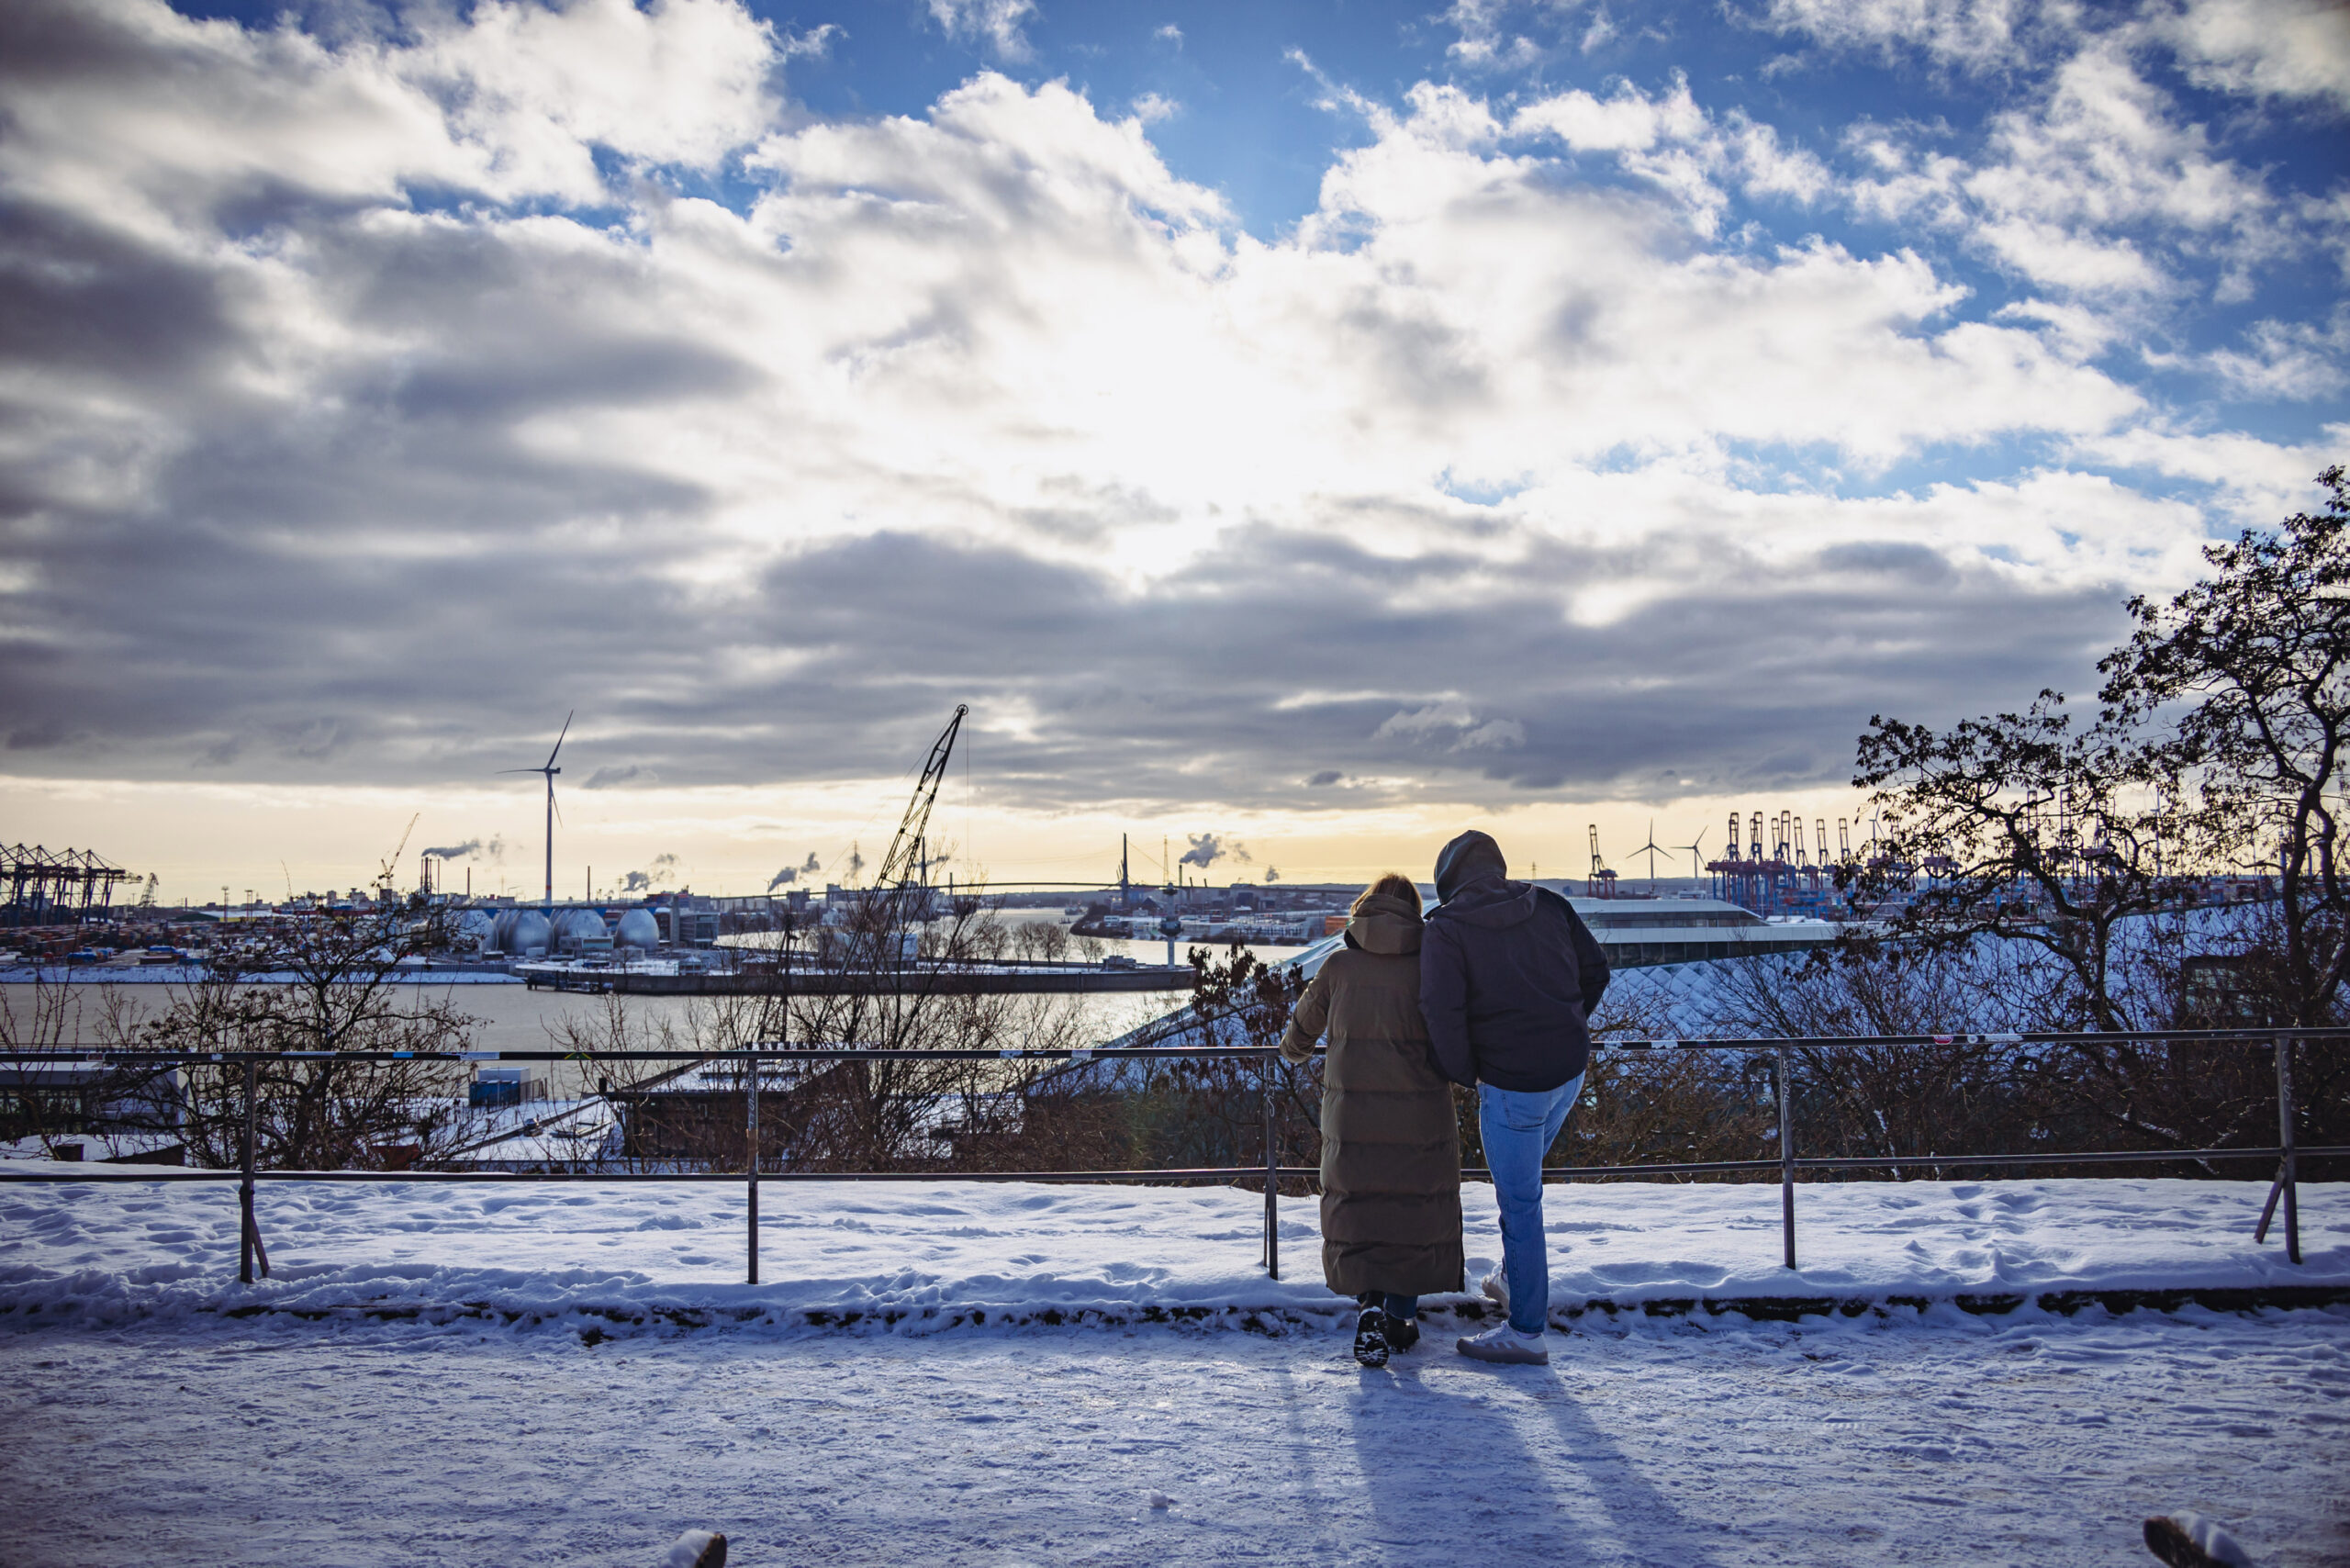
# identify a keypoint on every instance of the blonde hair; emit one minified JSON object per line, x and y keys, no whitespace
{"x":1393,"y":884}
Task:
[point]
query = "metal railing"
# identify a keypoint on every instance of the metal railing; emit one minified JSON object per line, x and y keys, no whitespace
{"x":752,"y":1059}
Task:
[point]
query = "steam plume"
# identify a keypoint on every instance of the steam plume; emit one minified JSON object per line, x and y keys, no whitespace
{"x":1207,"y":849}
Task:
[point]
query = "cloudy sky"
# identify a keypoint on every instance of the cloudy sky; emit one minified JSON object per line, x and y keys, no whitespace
{"x":1313,"y":424}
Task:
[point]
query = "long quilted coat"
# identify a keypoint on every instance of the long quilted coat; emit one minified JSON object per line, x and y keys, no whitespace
{"x":1391,"y":1150}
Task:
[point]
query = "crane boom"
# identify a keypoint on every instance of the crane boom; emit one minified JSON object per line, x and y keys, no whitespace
{"x":386,"y":877}
{"x":896,"y":876}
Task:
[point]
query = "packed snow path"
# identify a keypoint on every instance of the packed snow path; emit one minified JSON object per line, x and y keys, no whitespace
{"x":956,"y":1372}
{"x":1918,"y":1437}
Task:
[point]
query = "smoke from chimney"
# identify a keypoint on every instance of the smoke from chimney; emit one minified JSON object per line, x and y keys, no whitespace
{"x":1207,"y":849}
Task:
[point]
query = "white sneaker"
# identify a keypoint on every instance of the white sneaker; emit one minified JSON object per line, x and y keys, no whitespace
{"x":1496,"y":1288}
{"x":1503,"y":1343}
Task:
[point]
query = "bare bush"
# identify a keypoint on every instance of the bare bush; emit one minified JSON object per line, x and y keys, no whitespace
{"x":305,"y":999}
{"x":932,"y":1109}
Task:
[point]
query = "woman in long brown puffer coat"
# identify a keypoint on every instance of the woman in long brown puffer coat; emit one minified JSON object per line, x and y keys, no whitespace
{"x":1391,"y":1150}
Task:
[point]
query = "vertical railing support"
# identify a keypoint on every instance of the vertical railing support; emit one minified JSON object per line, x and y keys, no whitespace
{"x":2286,"y":1184}
{"x":1272,"y":1175}
{"x":1786,"y":1162}
{"x":750,"y":1120}
{"x":248,"y":1230}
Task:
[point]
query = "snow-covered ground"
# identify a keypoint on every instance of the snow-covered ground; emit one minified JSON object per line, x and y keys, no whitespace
{"x":573,"y":1374}
{"x":1934,"y":1436}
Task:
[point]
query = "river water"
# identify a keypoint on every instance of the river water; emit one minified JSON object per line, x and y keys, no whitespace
{"x":509,"y":1018}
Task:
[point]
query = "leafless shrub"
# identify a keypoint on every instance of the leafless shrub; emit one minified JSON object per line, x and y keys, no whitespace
{"x":932,"y":1109}
{"x":304,"y":998}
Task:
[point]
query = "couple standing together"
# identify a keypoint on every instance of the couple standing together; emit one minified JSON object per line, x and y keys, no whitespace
{"x":1490,"y":989}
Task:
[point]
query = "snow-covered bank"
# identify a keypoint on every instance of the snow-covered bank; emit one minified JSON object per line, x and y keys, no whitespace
{"x":948,"y":1252}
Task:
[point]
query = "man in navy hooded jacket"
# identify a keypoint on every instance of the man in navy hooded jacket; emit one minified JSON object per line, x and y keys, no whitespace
{"x":1509,"y":977}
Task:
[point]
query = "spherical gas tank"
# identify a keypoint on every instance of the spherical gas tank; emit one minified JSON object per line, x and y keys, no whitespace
{"x":524,"y":931}
{"x":574,"y":926}
{"x":637,"y":929}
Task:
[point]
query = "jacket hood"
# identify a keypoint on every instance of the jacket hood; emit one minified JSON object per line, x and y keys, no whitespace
{"x":1471,"y":858}
{"x":1468,"y":877}
{"x":1386,"y":925}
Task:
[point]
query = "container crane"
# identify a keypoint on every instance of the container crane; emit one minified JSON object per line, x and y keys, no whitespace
{"x":1602,"y":883}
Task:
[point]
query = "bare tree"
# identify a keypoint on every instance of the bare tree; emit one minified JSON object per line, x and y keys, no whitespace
{"x":2024,"y":830}
{"x":826,"y":991}
{"x":305,"y":996}
{"x":2242,"y":677}
{"x":2217,"y":749}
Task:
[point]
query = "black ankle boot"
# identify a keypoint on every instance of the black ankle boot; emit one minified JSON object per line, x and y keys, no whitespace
{"x":1370,"y":1336}
{"x":1403,"y":1333}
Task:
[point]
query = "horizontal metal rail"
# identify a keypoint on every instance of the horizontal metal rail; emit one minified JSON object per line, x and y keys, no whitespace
{"x":53,"y":1171}
{"x":48,"y":1171}
{"x":762,"y":1053}
{"x":1123,"y":1053}
{"x":2100,"y":1157}
{"x":751,"y":1061}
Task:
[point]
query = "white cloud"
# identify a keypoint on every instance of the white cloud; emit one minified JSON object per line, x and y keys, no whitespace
{"x":2092,"y":188}
{"x":813,"y":44}
{"x":680,"y":81}
{"x":1482,"y":40}
{"x":1975,"y":35}
{"x":2297,"y":361}
{"x":1432,"y":717}
{"x":1628,"y":121}
{"x":1453,"y":721}
{"x":508,"y":104}
{"x":2257,"y":481}
{"x":2067,"y":181}
{"x":995,"y":22}
{"x":1497,"y":734}
{"x":2274,"y":47}
{"x":2277,"y":48}
{"x":1670,"y":141}
{"x":2094,"y":183}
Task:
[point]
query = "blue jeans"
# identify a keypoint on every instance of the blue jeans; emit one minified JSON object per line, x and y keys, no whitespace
{"x":1404,"y":1306}
{"x":1518,"y":1129}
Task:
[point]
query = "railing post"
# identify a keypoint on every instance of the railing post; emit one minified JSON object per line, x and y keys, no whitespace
{"x":751,"y":1095}
{"x":2285,"y":1185}
{"x":1786,"y":1162}
{"x":247,"y":1230}
{"x":1272,"y":1178}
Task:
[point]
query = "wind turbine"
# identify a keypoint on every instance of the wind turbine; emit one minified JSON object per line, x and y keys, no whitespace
{"x":550,"y":769}
{"x":1651,"y":849}
{"x":1696,"y":873}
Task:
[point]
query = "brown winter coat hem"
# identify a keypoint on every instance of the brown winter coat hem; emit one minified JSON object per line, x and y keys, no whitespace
{"x":1391,"y":1150}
